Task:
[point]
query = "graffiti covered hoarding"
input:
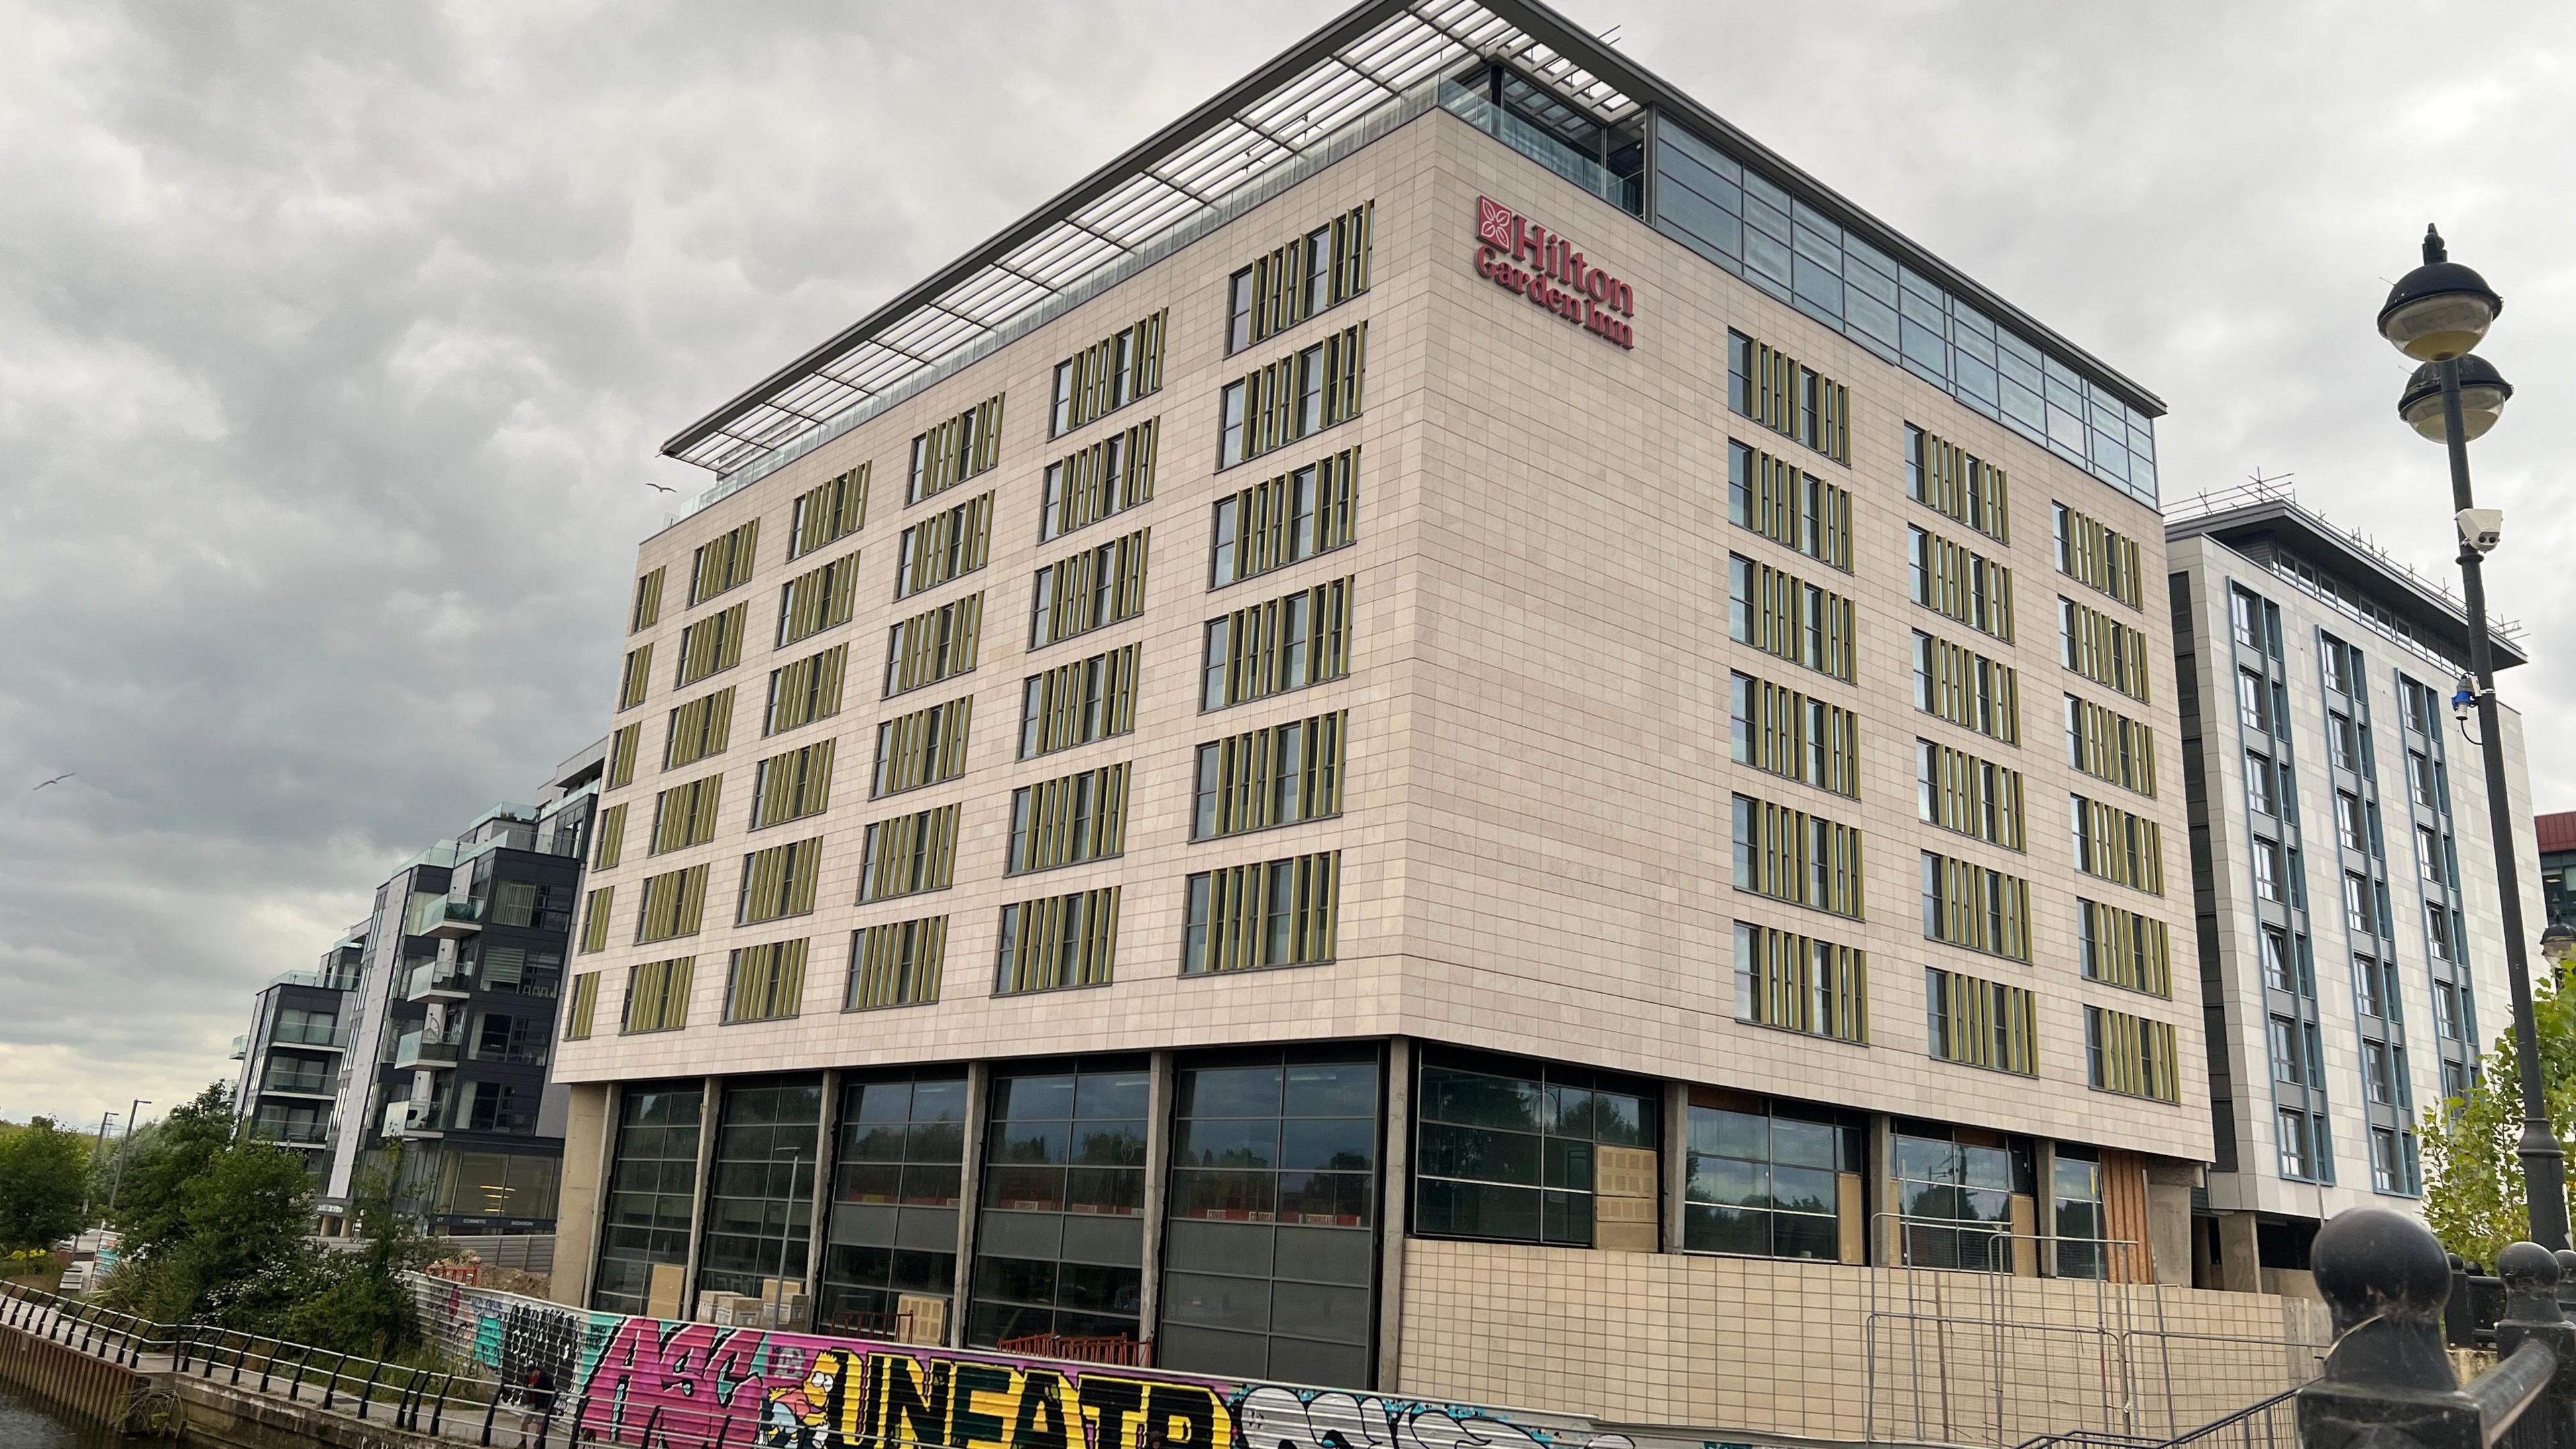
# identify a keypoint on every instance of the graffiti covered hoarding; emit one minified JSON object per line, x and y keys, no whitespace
{"x":704,"y":1386}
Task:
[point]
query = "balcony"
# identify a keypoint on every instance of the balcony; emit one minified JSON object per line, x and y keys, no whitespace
{"x":241,"y":1047}
{"x":421,"y":1048}
{"x":439,"y":980}
{"x":416,"y":1119}
{"x":444,"y":918}
{"x":321,"y":1036}
{"x":290,"y":1131}
{"x":301,"y":1084}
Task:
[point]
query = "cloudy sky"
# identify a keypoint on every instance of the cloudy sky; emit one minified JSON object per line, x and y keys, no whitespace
{"x":336,"y":342}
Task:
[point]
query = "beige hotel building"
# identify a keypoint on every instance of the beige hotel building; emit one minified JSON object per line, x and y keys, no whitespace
{"x":1449,"y":684}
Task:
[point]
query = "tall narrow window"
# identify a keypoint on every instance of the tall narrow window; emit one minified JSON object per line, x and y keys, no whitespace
{"x":1285,"y":520}
{"x":1269,"y":913}
{"x":956,"y":450}
{"x":1275,"y":776}
{"x":1798,"y":983}
{"x":1109,"y":477}
{"x":723,"y":562}
{"x":946,"y":545}
{"x":1109,"y":374}
{"x":1281,"y":645}
{"x":1055,"y":941}
{"x":1075,"y":704}
{"x":828,"y":512}
{"x":1320,"y":269}
{"x":898,"y":963}
{"x":1090,"y":590}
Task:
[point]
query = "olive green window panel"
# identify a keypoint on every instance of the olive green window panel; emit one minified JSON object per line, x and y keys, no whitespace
{"x":898,"y":963}
{"x":1961,"y":584}
{"x":1781,"y":614}
{"x":637,"y":681}
{"x":1285,"y":520}
{"x":807,"y":690}
{"x":1277,"y":646}
{"x":924,"y":747}
{"x":956,"y":450}
{"x":1281,"y":775}
{"x":1807,"y":860}
{"x":948,"y":544}
{"x":818,"y":599}
{"x":723,"y":562}
{"x":657,"y":995}
{"x":779,"y":882}
{"x":1069,"y":820}
{"x":934,"y":645}
{"x":1109,"y":477}
{"x":1266,"y":913}
{"x":1967,"y":688}
{"x":909,"y":854}
{"x":765,"y":982}
{"x":1786,"y":504}
{"x":712,"y":645}
{"x":1075,"y":704}
{"x":2125,"y":949}
{"x":1958,"y":791}
{"x":700,"y":728}
{"x":1091,"y":590}
{"x":1975,"y":907}
{"x":2120,"y":846}
{"x":1300,"y":394}
{"x":2110,"y":746}
{"x":1802,"y":984}
{"x":594,"y":921}
{"x":581,"y":1011}
{"x":685,"y":815}
{"x":1790,"y":398}
{"x":2131,"y":1055}
{"x":793,"y":785}
{"x":2101,"y":557}
{"x":1310,"y":274}
{"x":1957,"y":484}
{"x":621,"y":755}
{"x":1056,"y":941}
{"x":1109,"y":374}
{"x":648,"y":602}
{"x":1794,"y":735}
{"x":2103,"y":649}
{"x":611,"y":836}
{"x":1981,"y":1023}
{"x":828,"y":512}
{"x":674,"y":905}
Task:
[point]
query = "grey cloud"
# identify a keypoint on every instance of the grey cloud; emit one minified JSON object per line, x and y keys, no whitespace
{"x":335,"y":343}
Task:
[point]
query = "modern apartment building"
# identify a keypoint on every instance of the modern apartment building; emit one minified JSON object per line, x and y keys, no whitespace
{"x":2557,"y":836}
{"x":2351,"y":937}
{"x":1479,"y":684}
{"x":453,"y":1008}
{"x":292,"y":1056}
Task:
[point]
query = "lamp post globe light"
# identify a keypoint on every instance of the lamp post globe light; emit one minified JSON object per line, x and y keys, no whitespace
{"x":2435,"y":314}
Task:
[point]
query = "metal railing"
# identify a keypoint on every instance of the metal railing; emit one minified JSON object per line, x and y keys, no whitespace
{"x":2389,"y":1383}
{"x":422,"y":1399}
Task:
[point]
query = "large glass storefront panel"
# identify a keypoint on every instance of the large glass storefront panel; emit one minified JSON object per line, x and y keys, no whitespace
{"x":1270,"y":1249}
{"x":1955,"y":1197}
{"x":1060,"y":1238}
{"x":890,"y":1249}
{"x":652,"y":1178}
{"x":1771,"y":1179}
{"x":760,"y":1199}
{"x":1533,"y":1152}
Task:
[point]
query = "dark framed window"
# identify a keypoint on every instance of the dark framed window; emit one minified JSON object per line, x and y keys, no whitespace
{"x":1764,"y":1181}
{"x":1060,"y":1247}
{"x":652,"y":1182}
{"x":1534,"y":1153}
{"x":760,"y":1195}
{"x":896,"y":1181}
{"x":1954,"y":1199}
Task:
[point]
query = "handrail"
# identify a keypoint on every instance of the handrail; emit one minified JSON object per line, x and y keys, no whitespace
{"x":2502,"y":1393}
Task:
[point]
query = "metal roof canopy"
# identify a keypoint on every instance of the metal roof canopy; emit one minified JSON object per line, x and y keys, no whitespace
{"x":1369,"y":55}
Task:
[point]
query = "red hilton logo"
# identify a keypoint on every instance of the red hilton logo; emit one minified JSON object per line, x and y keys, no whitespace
{"x":1519,"y":255}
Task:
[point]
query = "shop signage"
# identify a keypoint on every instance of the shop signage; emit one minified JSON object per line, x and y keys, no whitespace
{"x":1519,"y":255}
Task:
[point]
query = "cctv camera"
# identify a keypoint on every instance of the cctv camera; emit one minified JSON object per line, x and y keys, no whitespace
{"x":2481,"y":528}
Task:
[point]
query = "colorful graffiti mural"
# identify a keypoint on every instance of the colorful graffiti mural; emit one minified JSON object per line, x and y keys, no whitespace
{"x":700,"y":1386}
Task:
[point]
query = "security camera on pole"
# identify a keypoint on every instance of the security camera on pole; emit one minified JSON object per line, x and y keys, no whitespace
{"x":2435,"y":314}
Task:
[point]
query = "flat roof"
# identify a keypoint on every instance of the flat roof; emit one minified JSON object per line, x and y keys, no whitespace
{"x":2266,"y":514}
{"x":1285,"y":111}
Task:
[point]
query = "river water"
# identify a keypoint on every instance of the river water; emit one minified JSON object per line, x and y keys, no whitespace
{"x":27,"y":1422}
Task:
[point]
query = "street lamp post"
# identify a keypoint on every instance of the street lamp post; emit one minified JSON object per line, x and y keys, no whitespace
{"x":786,"y":1230}
{"x":2435,"y":314}
{"x":117,"y":1182}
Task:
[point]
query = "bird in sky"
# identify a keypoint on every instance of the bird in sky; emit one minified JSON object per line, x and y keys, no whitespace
{"x":649,"y":483}
{"x":58,"y":779}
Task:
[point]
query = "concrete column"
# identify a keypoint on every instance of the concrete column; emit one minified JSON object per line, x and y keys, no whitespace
{"x":1676,"y":1172}
{"x":710,"y":1102}
{"x":2240,"y":1266}
{"x":2044,"y":1204}
{"x":581,"y":1193}
{"x":970,"y":1195}
{"x":1886,"y":1237}
{"x":826,"y":1126}
{"x":1395,"y":1201}
{"x":2169,"y":1185}
{"x":1159,"y":1086}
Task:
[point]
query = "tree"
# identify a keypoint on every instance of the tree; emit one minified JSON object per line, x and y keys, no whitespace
{"x":362,"y":1305}
{"x":2473,"y":1193}
{"x":233,"y":1233}
{"x":162,"y":1160}
{"x":43,"y":1170}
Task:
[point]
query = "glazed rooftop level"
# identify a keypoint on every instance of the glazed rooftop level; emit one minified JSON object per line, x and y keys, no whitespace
{"x":1528,"y":75}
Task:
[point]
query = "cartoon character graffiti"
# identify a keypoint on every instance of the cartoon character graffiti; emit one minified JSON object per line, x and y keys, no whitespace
{"x":802,"y":1415}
